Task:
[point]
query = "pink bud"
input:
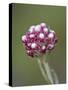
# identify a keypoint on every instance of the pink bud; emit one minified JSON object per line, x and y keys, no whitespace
{"x":43,"y":25}
{"x":46,"y":31}
{"x":31,"y":35}
{"x":50,"y":46}
{"x":31,"y":29}
{"x":33,"y":45}
{"x":41,"y":36}
{"x":37,"y":28}
{"x":24,"y":38}
{"x":50,"y":35}
{"x":43,"y":47}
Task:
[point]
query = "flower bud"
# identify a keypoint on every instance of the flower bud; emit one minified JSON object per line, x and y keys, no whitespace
{"x":39,"y":40}
{"x":33,"y":45}
{"x":24,"y":38}
{"x":31,"y":29}
{"x":37,"y":28}
{"x":43,"y":25}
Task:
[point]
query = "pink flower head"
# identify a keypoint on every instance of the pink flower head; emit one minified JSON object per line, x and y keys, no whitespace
{"x":39,"y":39}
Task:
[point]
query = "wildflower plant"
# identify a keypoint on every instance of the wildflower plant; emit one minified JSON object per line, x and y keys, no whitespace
{"x":38,"y":41}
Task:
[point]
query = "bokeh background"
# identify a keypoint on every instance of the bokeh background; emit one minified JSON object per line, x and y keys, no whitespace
{"x":25,"y":70}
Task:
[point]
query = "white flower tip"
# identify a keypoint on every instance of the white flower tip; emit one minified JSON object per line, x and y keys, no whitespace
{"x":24,"y":38}
{"x":37,"y":28}
{"x":51,"y":35}
{"x":43,"y":47}
{"x":52,"y":31}
{"x":31,"y":35}
{"x":41,"y":35}
{"x":43,"y":24}
{"x":33,"y":45}
{"x":45,"y":29}
{"x":31,"y":28}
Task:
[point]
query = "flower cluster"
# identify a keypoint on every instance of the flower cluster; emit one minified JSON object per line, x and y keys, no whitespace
{"x":39,"y":39}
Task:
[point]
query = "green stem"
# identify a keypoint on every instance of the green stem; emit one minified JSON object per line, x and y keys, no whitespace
{"x":43,"y":71}
{"x":49,"y":74}
{"x":47,"y":68}
{"x":55,"y":77}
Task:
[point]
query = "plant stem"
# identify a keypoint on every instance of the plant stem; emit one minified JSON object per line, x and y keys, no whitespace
{"x":56,"y":80}
{"x":49,"y":74}
{"x":43,"y":71}
{"x":47,"y":68}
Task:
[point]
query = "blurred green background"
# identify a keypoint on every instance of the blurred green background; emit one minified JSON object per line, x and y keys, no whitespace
{"x":25,"y":70}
